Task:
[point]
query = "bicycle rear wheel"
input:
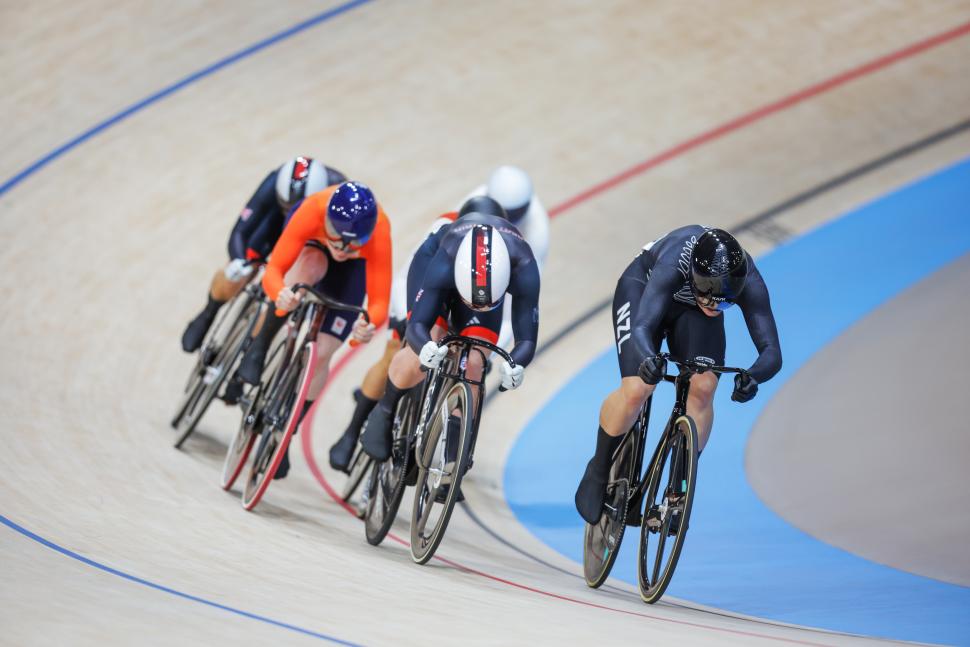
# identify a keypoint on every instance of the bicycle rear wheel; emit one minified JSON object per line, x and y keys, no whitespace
{"x":669,"y":496}
{"x":280,"y":418}
{"x":435,"y":471}
{"x":212,"y":376}
{"x":601,"y":542}
{"x":387,"y":481}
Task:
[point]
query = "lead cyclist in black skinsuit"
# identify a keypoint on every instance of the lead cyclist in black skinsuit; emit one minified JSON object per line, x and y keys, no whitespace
{"x":676,"y":288}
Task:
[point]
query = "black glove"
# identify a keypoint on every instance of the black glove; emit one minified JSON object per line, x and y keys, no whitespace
{"x":745,"y":387}
{"x":653,"y":369}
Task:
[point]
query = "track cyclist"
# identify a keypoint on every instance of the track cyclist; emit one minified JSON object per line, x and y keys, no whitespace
{"x":677,"y":288}
{"x":340,"y":240}
{"x":257,"y":229}
{"x":512,"y":189}
{"x":458,"y":279}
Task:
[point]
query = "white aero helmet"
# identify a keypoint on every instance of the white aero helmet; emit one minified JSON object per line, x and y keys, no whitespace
{"x":298,"y":178}
{"x":512,"y":188}
{"x":482,"y":268}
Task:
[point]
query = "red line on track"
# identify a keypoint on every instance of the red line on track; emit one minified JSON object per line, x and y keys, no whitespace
{"x":678,"y":150}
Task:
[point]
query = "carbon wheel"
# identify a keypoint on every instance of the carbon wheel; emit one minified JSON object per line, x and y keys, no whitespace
{"x":601,"y":542}
{"x":386,"y":482}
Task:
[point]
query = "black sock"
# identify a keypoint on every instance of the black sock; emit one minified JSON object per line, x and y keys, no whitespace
{"x":361,"y":411}
{"x":605,"y":446}
{"x":306,"y":407}
{"x":212,"y":307}
{"x":390,"y":398}
{"x":271,"y":326}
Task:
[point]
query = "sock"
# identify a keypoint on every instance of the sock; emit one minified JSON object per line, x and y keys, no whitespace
{"x":605,"y":446}
{"x":271,"y":326}
{"x":390,"y":398}
{"x":212,"y":307}
{"x":361,"y":411}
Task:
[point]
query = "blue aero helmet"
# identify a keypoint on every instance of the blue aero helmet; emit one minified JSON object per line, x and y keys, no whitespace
{"x":351,"y":215}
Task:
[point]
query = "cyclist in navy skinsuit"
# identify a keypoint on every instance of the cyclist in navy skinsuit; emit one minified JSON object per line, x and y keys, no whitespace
{"x":458,"y":281}
{"x":676,"y":288}
{"x":257,"y":229}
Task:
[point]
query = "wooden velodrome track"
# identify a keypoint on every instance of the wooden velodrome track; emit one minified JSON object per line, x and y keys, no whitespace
{"x":109,"y":247}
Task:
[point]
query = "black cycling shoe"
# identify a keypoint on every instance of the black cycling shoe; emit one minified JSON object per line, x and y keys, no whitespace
{"x":442,"y":492}
{"x":591,"y":494}
{"x":251,"y":367}
{"x":342,"y":452}
{"x":284,"y":467}
{"x":234,"y":390}
{"x":376,"y":439}
{"x":195,"y":332}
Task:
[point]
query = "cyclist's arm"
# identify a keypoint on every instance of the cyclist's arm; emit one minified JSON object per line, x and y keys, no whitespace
{"x":303,"y":226}
{"x":657,"y":296}
{"x":756,"y":307}
{"x":524,"y":287}
{"x":438,"y":281}
{"x":380,"y":272}
{"x":261,"y":202}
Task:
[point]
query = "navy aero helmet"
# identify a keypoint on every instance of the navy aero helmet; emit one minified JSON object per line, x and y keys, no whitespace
{"x":352,"y":213}
{"x":719,"y":267}
{"x":484,"y":205}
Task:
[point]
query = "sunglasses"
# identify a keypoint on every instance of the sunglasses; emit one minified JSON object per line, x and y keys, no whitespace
{"x":713,"y":303}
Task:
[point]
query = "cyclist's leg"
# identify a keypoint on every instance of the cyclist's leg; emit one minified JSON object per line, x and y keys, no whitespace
{"x":694,"y":335}
{"x":221,"y":290}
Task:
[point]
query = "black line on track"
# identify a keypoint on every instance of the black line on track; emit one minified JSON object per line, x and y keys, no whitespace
{"x":749,"y":225}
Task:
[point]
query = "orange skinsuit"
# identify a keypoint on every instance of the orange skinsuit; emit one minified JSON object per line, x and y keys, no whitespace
{"x":307,"y":224}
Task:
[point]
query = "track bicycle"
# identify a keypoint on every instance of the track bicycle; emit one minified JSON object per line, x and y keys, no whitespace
{"x":659,"y":502}
{"x":272,"y":408}
{"x":221,"y":350}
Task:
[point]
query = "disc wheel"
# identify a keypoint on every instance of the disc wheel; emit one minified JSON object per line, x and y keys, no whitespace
{"x":439,"y":479}
{"x":211,"y":375}
{"x":279,"y":421}
{"x":668,"y":498}
{"x":386,"y":482}
{"x":601,"y":542}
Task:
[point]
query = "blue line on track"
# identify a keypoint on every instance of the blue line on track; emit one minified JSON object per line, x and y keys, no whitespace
{"x":739,"y":555}
{"x":158,"y":587}
{"x":175,"y":87}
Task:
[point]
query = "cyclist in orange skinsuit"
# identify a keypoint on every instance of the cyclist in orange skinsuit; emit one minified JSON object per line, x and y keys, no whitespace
{"x":339,"y":240}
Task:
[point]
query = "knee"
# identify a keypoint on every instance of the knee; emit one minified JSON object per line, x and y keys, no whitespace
{"x":634,"y":392}
{"x":702,"y":387}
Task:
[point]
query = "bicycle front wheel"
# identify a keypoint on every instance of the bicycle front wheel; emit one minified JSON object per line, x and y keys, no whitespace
{"x":601,"y":542}
{"x":280,"y":417}
{"x":387,"y":481}
{"x":669,"y":496}
{"x":439,"y":472}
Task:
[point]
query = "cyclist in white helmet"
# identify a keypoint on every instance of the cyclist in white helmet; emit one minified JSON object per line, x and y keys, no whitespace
{"x":257,"y":229}
{"x":458,"y":281}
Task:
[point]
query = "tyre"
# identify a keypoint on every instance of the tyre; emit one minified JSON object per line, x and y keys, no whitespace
{"x":601,"y":542}
{"x":386,"y":482}
{"x":430,"y":514}
{"x":279,"y":420}
{"x":213,"y":375}
{"x":668,"y":497}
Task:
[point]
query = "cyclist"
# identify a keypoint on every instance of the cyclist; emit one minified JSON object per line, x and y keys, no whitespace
{"x":258,"y":227}
{"x":458,"y":279}
{"x":340,"y":240}
{"x":677,"y":287}
{"x":372,"y":388}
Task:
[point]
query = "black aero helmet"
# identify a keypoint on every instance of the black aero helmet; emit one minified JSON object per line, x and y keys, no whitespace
{"x":718,"y":269}
{"x":484,"y":205}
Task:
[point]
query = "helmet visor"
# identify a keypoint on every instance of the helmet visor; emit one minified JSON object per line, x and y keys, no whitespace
{"x":340,"y":241}
{"x":712,"y":303}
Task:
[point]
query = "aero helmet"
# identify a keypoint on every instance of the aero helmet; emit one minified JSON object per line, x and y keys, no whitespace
{"x":298,"y":178}
{"x":484,"y":205}
{"x":512,"y":188}
{"x":719,"y":268}
{"x":482,"y":268}
{"x":352,"y":213}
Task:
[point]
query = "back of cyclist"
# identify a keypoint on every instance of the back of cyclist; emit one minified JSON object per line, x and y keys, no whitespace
{"x":677,"y":288}
{"x":257,"y":229}
{"x":340,"y":240}
{"x":458,"y":280}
